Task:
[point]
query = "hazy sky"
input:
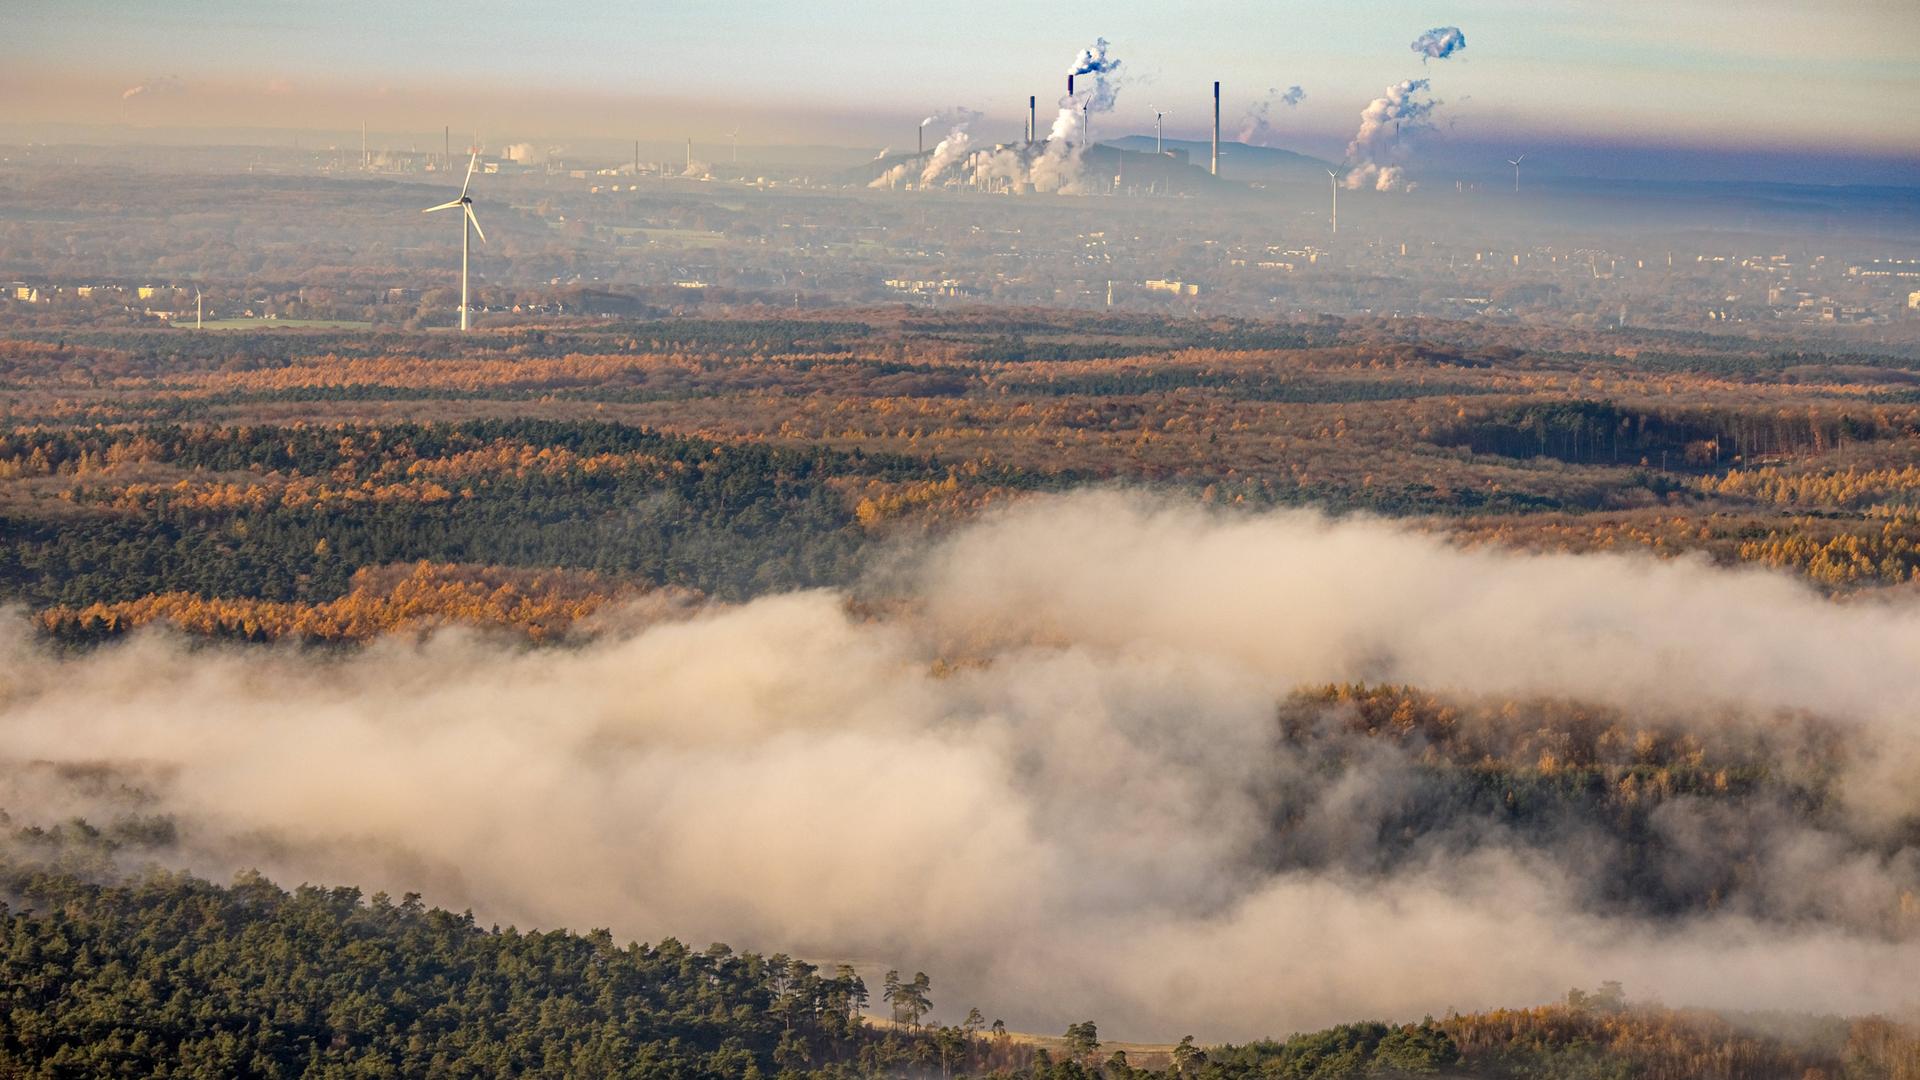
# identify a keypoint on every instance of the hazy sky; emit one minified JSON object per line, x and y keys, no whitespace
{"x":1838,"y":75}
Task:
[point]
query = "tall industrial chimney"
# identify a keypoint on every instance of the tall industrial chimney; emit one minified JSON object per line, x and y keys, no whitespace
{"x":689,"y":157}
{"x":446,"y":157}
{"x":1216,"y":127}
{"x":1033,"y":117}
{"x":920,"y":133}
{"x":1069,"y":86}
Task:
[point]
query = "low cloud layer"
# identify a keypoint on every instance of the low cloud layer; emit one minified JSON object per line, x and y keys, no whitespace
{"x":1040,"y":760}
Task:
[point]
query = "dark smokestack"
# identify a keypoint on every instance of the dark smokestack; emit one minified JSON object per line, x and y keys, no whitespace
{"x":1069,"y":86}
{"x":1216,"y":127}
{"x":920,"y":133}
{"x":1033,"y":118}
{"x":446,"y":158}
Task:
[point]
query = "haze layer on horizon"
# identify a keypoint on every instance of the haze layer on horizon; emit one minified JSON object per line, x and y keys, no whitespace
{"x":1773,"y":78}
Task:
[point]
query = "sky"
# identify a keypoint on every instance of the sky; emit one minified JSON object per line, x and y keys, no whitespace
{"x":1762,"y":76}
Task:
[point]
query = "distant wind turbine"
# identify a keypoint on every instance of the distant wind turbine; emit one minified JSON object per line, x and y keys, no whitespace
{"x":465,"y":205}
{"x":1515,"y":162}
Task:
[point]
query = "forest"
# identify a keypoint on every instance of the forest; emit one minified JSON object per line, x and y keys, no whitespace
{"x":167,"y":975}
{"x":263,"y":516}
{"x":735,"y":456}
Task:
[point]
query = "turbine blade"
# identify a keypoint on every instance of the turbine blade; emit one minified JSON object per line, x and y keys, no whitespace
{"x":442,"y":206}
{"x":476,"y":225}
{"x":469,"y":182}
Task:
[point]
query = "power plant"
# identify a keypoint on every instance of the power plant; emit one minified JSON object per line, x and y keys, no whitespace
{"x":1067,"y":159}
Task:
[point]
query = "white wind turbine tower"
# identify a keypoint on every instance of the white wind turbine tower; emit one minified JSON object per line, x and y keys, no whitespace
{"x":465,"y":205}
{"x":1515,"y":162}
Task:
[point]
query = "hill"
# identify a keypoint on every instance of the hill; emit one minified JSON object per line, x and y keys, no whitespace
{"x":1238,"y":161}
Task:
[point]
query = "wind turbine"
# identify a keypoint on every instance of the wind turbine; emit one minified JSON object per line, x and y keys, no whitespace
{"x":1515,"y":162}
{"x":1335,"y":178}
{"x":465,"y":205}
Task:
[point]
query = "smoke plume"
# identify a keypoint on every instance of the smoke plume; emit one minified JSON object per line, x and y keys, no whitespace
{"x":1055,"y":164}
{"x":1058,"y":167}
{"x":952,"y":149}
{"x":1040,"y":759}
{"x":1256,"y":127}
{"x":1105,"y":71}
{"x":529,"y":154}
{"x":1388,"y":126}
{"x":154,"y":86}
{"x":1439,"y":43}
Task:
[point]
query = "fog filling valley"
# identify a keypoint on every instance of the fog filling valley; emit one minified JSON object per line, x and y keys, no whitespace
{"x":1040,"y":759}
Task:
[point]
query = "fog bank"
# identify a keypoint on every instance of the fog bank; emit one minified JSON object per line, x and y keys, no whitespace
{"x":1048,"y":774}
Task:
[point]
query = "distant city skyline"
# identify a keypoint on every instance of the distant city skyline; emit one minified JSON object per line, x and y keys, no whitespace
{"x":1772,"y":80}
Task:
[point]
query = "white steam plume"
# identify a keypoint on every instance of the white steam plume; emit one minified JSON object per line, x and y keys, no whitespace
{"x":1066,"y":817}
{"x":1058,"y":168}
{"x":1003,"y":165}
{"x":1055,"y":165}
{"x":1387,"y":127}
{"x":1256,"y":126}
{"x":892,"y":177}
{"x":529,"y":154}
{"x":1439,"y":43}
{"x":1099,"y":97}
{"x":950,"y":150}
{"x":154,"y":86}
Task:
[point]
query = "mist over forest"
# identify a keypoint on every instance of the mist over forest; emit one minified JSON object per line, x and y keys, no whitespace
{"x":1368,"y":578}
